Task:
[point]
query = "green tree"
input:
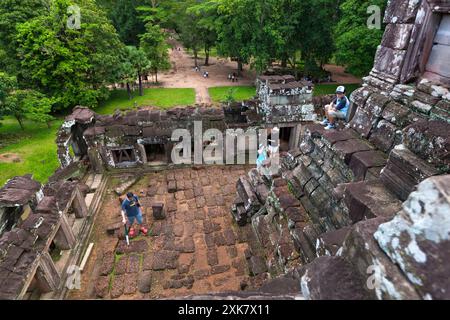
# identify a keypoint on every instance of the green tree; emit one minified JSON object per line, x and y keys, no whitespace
{"x":154,"y":45}
{"x":12,"y":13}
{"x":127,"y":69}
{"x":72,"y":66}
{"x":205,"y":16}
{"x":7,"y":84}
{"x":28,"y":104}
{"x":234,"y":31}
{"x":356,"y":44}
{"x":140,"y":63}
{"x":125,"y":18}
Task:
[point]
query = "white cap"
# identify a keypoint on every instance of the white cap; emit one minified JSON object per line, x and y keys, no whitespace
{"x":340,"y":89}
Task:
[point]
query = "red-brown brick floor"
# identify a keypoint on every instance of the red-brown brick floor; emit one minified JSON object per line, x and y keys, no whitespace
{"x":197,"y":249}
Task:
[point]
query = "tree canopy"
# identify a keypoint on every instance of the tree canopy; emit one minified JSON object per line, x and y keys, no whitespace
{"x":121,"y":41}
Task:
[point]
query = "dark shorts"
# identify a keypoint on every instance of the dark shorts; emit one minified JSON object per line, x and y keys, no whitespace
{"x":137,"y":217}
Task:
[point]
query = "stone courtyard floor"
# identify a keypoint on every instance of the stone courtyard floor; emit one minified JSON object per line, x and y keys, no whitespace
{"x":197,"y":249}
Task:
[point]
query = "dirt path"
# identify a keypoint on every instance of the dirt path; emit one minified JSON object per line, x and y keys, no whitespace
{"x":338,"y":75}
{"x":183,"y":75}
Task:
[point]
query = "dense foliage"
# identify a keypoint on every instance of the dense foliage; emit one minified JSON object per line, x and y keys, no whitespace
{"x":48,"y":65}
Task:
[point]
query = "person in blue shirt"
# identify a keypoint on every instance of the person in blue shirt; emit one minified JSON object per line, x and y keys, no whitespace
{"x":131,"y":211}
{"x":337,"y":109}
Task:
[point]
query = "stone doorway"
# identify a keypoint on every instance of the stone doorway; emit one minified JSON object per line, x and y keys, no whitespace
{"x":285,"y":138}
{"x":155,"y":152}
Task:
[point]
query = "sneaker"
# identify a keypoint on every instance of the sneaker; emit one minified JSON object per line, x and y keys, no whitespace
{"x":330,"y":126}
{"x":324,"y":122}
{"x":144,"y":230}
{"x":132,"y":233}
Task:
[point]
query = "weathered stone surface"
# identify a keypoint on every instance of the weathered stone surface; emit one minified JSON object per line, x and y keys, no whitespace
{"x":158,"y":211}
{"x":370,"y":199}
{"x":220,"y":269}
{"x":404,"y":171}
{"x":303,"y":246}
{"x":121,"y":265}
{"x":117,"y":286}
{"x":171,"y":186}
{"x":133,"y":264}
{"x":333,"y":278}
{"x":137,"y":246}
{"x":396,"y":36}
{"x":130,"y":283}
{"x":144,"y":281}
{"x":389,"y":61}
{"x":257,"y":265}
{"x":345,"y":149}
{"x":401,"y":11}
{"x":329,"y":242}
{"x":281,"y":285}
{"x":212,"y":258}
{"x":361,"y":161}
{"x":107,"y":263}
{"x":384,"y":135}
{"x":430,"y":140}
{"x":382,"y":277}
{"x":102,"y":286}
{"x":418,"y":238}
{"x":396,"y":113}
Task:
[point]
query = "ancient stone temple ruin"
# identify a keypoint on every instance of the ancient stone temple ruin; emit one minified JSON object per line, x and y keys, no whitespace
{"x":362,"y":212}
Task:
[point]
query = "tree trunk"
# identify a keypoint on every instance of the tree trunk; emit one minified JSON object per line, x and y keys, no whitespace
{"x":20,"y":121}
{"x":284,"y":61}
{"x":195,"y":57}
{"x":141,"y":90}
{"x":156,"y":76}
{"x":240,"y":67}
{"x":206,"y":56}
{"x":129,"y":91}
{"x":49,"y":124}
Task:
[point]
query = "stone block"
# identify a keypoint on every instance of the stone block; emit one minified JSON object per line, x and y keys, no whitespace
{"x":369,"y":199}
{"x":418,"y":238}
{"x":382,"y":277}
{"x":333,"y":278}
{"x":384,"y":135}
{"x":360,"y":162}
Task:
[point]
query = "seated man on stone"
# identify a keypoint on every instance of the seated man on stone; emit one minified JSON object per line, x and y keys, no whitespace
{"x":131,"y":211}
{"x":337,"y":109}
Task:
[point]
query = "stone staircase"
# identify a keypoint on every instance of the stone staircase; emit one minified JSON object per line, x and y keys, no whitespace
{"x":337,"y":189}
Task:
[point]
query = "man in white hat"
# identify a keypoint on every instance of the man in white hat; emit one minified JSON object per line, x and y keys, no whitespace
{"x":337,"y":109}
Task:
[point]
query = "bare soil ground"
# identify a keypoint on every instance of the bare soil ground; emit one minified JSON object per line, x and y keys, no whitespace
{"x":338,"y":75}
{"x":197,"y":249}
{"x":183,"y":74}
{"x":9,"y":158}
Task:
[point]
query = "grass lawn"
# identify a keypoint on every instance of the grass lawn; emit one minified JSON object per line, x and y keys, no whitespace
{"x":322,"y":89}
{"x":35,"y":146}
{"x":218,"y":94}
{"x":159,"y":97}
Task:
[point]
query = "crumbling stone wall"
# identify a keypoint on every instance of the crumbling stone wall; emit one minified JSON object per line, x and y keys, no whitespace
{"x":282,"y":99}
{"x":25,"y":261}
{"x":337,"y":188}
